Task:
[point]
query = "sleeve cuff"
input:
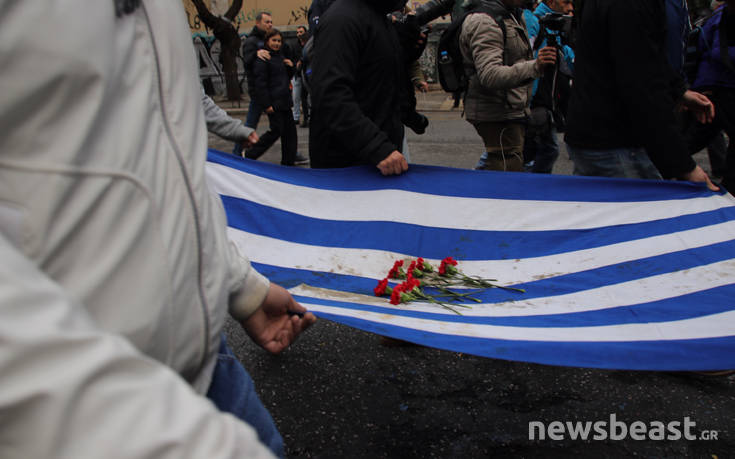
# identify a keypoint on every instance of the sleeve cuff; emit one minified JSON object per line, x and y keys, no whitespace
{"x":243,"y":132}
{"x":248,"y":298}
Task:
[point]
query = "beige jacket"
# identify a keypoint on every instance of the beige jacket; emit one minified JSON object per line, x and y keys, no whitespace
{"x":500,"y":88}
{"x":116,"y":274}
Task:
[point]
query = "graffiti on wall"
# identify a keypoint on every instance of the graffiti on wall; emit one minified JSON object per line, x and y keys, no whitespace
{"x":299,"y":16}
{"x":208,"y":50}
{"x":286,"y":14}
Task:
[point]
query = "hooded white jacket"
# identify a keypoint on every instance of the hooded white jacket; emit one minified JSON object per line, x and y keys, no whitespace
{"x":115,"y":270}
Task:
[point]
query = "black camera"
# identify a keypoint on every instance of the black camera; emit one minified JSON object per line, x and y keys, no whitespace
{"x":432,"y":10}
{"x":426,"y":13}
{"x":559,"y":24}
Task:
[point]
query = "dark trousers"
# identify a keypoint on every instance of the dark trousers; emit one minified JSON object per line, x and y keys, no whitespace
{"x":305,"y":107}
{"x":540,"y":149}
{"x":503,"y":145}
{"x":254,"y":112}
{"x":698,"y":136}
{"x":281,"y":125}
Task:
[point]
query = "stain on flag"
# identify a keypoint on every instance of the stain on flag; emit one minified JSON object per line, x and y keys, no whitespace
{"x":623,"y":274}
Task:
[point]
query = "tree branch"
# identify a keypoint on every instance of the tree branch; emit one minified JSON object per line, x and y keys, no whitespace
{"x":233,"y":10}
{"x":204,"y":14}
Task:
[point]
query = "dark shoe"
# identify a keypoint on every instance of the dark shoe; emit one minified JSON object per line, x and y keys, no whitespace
{"x":304,"y":122}
{"x":301,"y":159}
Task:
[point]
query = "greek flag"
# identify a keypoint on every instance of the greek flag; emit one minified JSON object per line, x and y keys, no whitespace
{"x":620,"y":274}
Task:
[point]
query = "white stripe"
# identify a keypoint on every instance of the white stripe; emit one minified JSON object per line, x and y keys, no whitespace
{"x":638,"y":291}
{"x":448,"y":211}
{"x":713,"y":326}
{"x":376,"y":263}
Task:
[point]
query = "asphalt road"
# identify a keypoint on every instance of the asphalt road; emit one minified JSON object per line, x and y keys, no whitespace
{"x":338,"y":392}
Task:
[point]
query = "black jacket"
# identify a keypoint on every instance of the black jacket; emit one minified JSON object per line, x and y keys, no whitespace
{"x":273,"y":82}
{"x":356,"y":83}
{"x":625,"y":92}
{"x":254,"y":41}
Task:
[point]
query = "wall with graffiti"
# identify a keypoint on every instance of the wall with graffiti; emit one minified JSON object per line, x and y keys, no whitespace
{"x":287,"y":15}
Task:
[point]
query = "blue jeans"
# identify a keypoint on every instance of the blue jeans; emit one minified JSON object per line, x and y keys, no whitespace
{"x":254,"y":112}
{"x":296,"y":83}
{"x":232,"y":391}
{"x":616,"y":162}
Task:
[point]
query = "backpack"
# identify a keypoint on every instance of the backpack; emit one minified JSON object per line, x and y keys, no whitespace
{"x":454,"y":74}
{"x":693,"y":53}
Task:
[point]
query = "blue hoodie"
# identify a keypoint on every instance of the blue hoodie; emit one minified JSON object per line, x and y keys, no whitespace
{"x":532,"y":23}
{"x":712,"y":71}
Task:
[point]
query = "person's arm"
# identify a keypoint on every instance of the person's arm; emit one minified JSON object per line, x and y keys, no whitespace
{"x":222,"y":124}
{"x":250,"y":51}
{"x":70,"y":389}
{"x":336,"y":63}
{"x":290,"y":68}
{"x":484,"y":38}
{"x":267,"y":312}
{"x":261,"y":74}
{"x":417,"y":77}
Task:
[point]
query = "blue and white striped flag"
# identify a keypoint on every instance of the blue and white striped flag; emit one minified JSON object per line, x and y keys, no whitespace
{"x":625,"y":274}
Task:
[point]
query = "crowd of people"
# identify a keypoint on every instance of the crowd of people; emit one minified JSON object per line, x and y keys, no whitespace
{"x":628,"y":108}
{"x":117,"y":273}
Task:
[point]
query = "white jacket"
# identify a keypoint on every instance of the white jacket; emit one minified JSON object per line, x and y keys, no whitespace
{"x":115,"y":268}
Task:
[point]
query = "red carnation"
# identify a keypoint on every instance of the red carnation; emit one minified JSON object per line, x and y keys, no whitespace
{"x":396,"y":272}
{"x":424,"y":265}
{"x":447,"y":266}
{"x":380,"y":289}
{"x":395,"y":297}
{"x":409,"y":284}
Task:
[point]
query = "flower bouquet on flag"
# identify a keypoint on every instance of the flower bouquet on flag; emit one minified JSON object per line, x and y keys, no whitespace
{"x":420,"y":275}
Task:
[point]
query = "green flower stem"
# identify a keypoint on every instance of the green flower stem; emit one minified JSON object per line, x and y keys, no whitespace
{"x":444,"y":305}
{"x":432,"y":300}
{"x":454,"y":294}
{"x":487,"y":284}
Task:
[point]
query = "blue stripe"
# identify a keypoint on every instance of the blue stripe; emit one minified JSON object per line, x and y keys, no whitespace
{"x":708,"y":302}
{"x":467,"y":183}
{"x":676,"y":355}
{"x":558,"y":285}
{"x":430,"y":242}
{"x":703,"y":354}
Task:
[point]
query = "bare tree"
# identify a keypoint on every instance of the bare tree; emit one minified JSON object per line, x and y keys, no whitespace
{"x":229,"y":40}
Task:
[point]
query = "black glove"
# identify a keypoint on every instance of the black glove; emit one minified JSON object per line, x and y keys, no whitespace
{"x":417,"y":122}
